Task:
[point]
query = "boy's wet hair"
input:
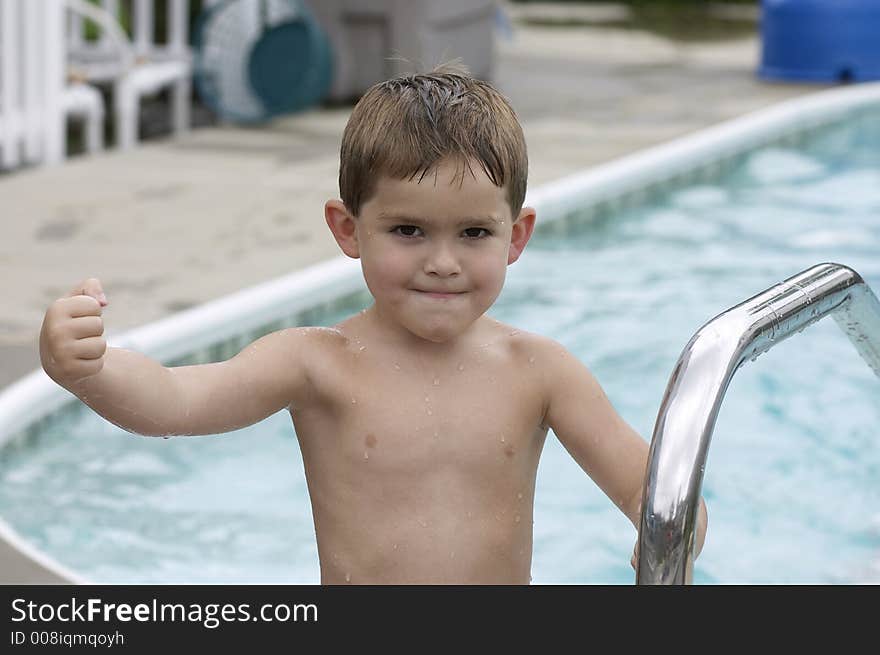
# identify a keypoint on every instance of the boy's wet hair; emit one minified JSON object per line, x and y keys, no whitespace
{"x":405,"y":126}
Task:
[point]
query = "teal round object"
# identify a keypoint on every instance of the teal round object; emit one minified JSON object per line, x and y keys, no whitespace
{"x":250,"y":64}
{"x":290,"y":66}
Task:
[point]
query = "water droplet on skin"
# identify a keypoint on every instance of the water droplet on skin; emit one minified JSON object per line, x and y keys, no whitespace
{"x":394,"y":546}
{"x":516,"y":518}
{"x":531,"y":360}
{"x":502,"y":438}
{"x":436,"y":434}
{"x":353,"y":401}
{"x":348,"y":577}
{"x":452,"y":555}
{"x":470,"y":514}
{"x":519,"y":496}
{"x":423,"y":523}
{"x":461,"y":367}
{"x":436,"y":382}
{"x":396,"y":366}
{"x":430,"y":413}
{"x":427,"y":399}
{"x":514,"y":333}
{"x":363,"y":348}
{"x":366,"y":455}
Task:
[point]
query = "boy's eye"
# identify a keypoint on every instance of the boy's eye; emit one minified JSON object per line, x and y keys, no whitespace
{"x":412,"y":231}
{"x":406,"y":230}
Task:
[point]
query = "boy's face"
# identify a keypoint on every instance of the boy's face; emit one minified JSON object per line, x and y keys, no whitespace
{"x":434,"y":253}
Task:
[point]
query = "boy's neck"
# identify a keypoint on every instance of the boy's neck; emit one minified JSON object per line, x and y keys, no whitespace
{"x":402,"y":340}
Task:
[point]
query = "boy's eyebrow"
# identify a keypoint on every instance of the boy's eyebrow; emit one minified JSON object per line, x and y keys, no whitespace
{"x":464,"y":220}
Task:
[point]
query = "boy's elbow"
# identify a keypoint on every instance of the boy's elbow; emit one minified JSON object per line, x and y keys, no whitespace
{"x":633,"y":509}
{"x":702,"y":525}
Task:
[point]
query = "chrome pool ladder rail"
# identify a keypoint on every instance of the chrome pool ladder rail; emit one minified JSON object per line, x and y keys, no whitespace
{"x":696,"y":388}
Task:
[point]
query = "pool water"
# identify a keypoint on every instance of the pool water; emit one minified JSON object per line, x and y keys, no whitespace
{"x":792,"y":480}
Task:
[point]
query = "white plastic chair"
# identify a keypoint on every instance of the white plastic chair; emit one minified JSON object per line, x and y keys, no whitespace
{"x":85,"y":103}
{"x":35,"y":97}
{"x":136,"y":67}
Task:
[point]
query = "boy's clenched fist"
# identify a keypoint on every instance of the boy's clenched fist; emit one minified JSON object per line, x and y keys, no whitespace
{"x":72,"y":345}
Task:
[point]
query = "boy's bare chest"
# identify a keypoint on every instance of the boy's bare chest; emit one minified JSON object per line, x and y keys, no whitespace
{"x":479,"y":416}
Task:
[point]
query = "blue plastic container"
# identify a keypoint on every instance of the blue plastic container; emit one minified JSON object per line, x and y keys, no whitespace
{"x":820,"y":40}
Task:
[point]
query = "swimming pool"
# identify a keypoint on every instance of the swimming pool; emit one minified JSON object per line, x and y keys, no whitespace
{"x":624,"y":283}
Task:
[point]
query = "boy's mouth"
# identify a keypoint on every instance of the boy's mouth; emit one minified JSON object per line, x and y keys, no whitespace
{"x":439,"y":294}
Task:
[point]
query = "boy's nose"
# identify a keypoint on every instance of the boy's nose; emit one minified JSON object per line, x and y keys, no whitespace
{"x":442,"y":262}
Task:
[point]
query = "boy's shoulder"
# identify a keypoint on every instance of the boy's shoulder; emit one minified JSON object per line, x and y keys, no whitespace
{"x":550,"y":362}
{"x":305,"y":345}
{"x":529,"y":347}
{"x":305,"y":335}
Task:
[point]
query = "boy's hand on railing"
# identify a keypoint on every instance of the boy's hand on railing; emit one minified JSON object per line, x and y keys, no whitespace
{"x":71,"y":343}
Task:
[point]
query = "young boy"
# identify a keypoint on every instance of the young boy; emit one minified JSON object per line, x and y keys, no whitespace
{"x":420,"y":420}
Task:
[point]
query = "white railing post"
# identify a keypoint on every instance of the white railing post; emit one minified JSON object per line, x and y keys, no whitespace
{"x":178,"y":25}
{"x":10,"y":114}
{"x":143,"y":27}
{"x":34,"y":50}
{"x":112,"y":8}
{"x":54,"y":57}
{"x":178,"y":43}
{"x":75,"y":30}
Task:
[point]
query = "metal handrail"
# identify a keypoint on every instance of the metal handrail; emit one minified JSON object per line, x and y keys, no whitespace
{"x":680,"y":444}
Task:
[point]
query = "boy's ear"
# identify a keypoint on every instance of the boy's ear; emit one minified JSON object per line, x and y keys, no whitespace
{"x":523,"y":227}
{"x":343,"y":227}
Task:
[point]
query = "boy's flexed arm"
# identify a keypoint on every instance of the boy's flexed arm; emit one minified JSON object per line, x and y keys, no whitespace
{"x":142,"y":396}
{"x":598,"y":438}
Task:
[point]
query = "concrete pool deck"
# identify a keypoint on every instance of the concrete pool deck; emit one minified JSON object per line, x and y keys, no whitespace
{"x":175,"y":223}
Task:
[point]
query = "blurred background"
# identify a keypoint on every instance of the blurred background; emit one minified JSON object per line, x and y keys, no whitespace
{"x":119,"y":71}
{"x":182,"y":149}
